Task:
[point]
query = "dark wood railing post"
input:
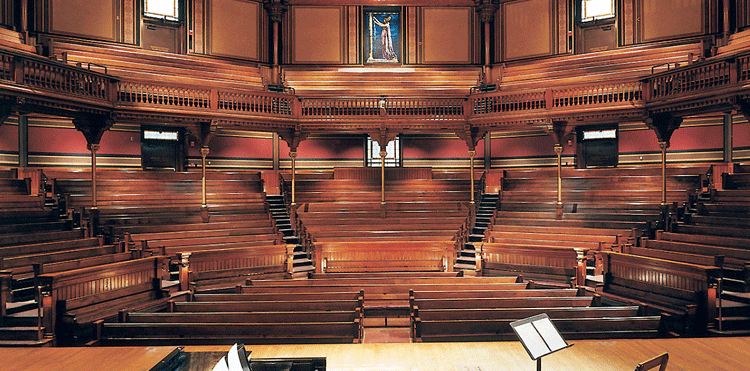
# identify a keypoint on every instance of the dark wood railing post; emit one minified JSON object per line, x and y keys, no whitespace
{"x":293,"y":156}
{"x":204,"y":204}
{"x":559,"y":205}
{"x":382,"y":177}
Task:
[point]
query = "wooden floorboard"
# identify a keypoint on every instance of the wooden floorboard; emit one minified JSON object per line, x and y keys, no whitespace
{"x":698,"y":354}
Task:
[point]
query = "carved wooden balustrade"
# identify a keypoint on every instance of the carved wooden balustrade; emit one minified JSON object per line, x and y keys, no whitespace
{"x":31,"y":80}
{"x":710,"y":85}
{"x":65,"y":89}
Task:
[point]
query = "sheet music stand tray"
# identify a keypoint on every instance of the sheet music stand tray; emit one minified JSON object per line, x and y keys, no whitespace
{"x":539,"y":337}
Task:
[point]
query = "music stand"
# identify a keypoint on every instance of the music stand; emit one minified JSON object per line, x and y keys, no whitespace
{"x":539,"y":337}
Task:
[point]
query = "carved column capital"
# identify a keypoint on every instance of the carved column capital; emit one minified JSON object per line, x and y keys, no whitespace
{"x":559,"y":149}
{"x":205,"y":151}
{"x":276,"y":9}
{"x":293,"y":154}
{"x":486,"y":10}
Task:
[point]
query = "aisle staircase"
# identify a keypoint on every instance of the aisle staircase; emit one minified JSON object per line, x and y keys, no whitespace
{"x":467,"y":257}
{"x":302,"y":264}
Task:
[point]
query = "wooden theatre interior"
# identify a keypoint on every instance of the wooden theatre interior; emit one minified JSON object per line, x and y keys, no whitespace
{"x":205,"y":172}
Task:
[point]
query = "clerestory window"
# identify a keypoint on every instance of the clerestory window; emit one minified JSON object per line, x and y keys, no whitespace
{"x":163,"y":9}
{"x":592,"y":10}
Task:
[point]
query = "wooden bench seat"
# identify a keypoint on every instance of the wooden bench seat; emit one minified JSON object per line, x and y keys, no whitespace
{"x":520,"y":313}
{"x":621,"y":64}
{"x":241,"y":317}
{"x":230,"y":266}
{"x":132,"y":230}
{"x":23,"y":264}
{"x":304,"y":296}
{"x":592,"y":241}
{"x":384,"y":256}
{"x":714,"y":230}
{"x":127,"y":62}
{"x":738,"y":42}
{"x":704,"y":239}
{"x":543,"y":262}
{"x":566,"y":223}
{"x":680,"y":290}
{"x":16,"y":41}
{"x":82,"y":296}
{"x":56,"y":232}
{"x":570,"y":328}
{"x":289,"y":305}
{"x":491,"y":294}
{"x":651,"y":250}
{"x":141,"y":334}
{"x":323,"y":82}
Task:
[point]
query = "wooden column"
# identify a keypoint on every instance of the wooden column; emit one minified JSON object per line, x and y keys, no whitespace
{"x":559,"y":205}
{"x":93,"y":126}
{"x":276,"y":10}
{"x":487,"y":10}
{"x":472,"y":154}
{"x":204,"y":204}
{"x":663,"y":146}
{"x":728,"y":133}
{"x":93,"y":148}
{"x":382,"y":176}
{"x":663,"y":124}
{"x":23,"y":140}
{"x":293,"y":156}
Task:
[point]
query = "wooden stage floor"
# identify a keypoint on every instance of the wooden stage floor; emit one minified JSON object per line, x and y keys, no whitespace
{"x":698,"y":354}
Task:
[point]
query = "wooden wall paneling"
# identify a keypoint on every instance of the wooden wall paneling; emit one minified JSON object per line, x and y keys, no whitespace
{"x":411,"y":36}
{"x":498,"y":30}
{"x":529,"y":29}
{"x":128,"y":20}
{"x":476,"y":38}
{"x":88,"y":19}
{"x":688,"y":18}
{"x":743,"y":13}
{"x":448,"y":36}
{"x":7,"y":13}
{"x":628,"y":22}
{"x":198,"y":26}
{"x":353,"y":45}
{"x":317,"y":34}
{"x":234,"y":28}
{"x":563,"y":29}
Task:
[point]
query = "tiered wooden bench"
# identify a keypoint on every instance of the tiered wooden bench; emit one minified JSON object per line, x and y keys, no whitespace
{"x":227,"y":267}
{"x":674,"y":289}
{"x":322,"y":82}
{"x":229,"y":318}
{"x":79,"y":297}
{"x":384,"y":256}
{"x":136,"y":64}
{"x":127,"y":198}
{"x":565,"y":265}
{"x":19,"y":259}
{"x":385,"y":296}
{"x":623,"y":64}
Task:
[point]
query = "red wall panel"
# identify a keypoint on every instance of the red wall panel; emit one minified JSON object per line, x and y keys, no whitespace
{"x":228,"y":147}
{"x":437,"y":148}
{"x":345,"y":148}
{"x":537,"y":146}
{"x":741,"y":135}
{"x":697,"y":138}
{"x":8,"y":138}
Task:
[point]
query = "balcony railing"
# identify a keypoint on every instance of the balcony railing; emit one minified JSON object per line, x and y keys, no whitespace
{"x":727,"y":76}
{"x":55,"y":77}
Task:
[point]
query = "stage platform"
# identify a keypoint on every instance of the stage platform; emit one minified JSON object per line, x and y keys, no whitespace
{"x":696,"y":354}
